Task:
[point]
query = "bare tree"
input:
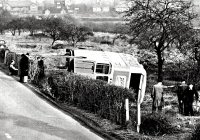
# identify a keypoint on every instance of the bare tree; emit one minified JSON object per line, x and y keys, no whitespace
{"x":32,"y":24}
{"x":192,"y":51}
{"x":5,"y":17}
{"x":74,"y":33}
{"x":53,"y":27}
{"x":12,"y":26}
{"x":159,"y":25}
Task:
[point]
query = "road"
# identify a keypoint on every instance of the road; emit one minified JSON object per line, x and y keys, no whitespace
{"x":25,"y":116}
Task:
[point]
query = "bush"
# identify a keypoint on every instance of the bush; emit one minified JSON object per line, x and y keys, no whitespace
{"x":95,"y":96}
{"x":196,"y":133}
{"x":156,"y":125}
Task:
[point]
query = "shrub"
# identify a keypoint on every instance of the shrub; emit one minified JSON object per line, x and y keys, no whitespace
{"x":196,"y":133}
{"x":156,"y":125}
{"x":95,"y":96}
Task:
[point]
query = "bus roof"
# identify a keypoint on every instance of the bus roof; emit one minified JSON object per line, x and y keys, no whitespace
{"x":118,"y":60}
{"x":97,"y":56}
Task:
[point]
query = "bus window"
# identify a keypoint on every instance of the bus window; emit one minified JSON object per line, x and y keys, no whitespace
{"x":104,"y":78}
{"x":84,"y":66}
{"x":102,"y":68}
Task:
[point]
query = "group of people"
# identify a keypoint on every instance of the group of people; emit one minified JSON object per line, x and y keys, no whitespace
{"x":185,"y":94}
{"x":23,"y":67}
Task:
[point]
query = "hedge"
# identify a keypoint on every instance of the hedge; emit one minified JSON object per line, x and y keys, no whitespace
{"x":196,"y":132}
{"x":157,"y":125}
{"x":95,"y":96}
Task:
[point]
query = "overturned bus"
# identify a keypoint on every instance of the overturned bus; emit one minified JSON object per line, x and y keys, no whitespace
{"x":115,"y":68}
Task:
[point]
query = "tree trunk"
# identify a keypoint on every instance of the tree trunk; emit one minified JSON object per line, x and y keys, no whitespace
{"x":13,"y":32}
{"x":74,"y":42}
{"x":74,"y":45}
{"x":31,"y":33}
{"x":2,"y":32}
{"x":160,"y":65}
{"x":198,"y":71}
{"x":53,"y":41}
{"x":19,"y":32}
{"x":197,"y":57}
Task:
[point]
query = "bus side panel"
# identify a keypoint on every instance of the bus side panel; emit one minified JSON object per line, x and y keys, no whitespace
{"x":121,"y":78}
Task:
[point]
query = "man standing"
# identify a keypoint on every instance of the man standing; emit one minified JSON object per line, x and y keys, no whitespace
{"x":24,"y":66}
{"x":188,"y":99}
{"x":157,"y":96}
{"x":180,"y":92}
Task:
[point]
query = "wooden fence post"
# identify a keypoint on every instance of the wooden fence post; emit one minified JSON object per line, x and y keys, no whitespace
{"x":138,"y":117}
{"x":127,"y":109}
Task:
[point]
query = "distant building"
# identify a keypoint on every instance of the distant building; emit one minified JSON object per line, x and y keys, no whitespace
{"x":70,"y":11}
{"x":47,"y":12}
{"x":101,"y":9}
{"x":68,"y":2}
{"x":106,"y":9}
{"x":122,"y":6}
{"x":59,"y":4}
{"x":54,"y":11}
{"x":21,"y":7}
{"x":97,"y":9}
{"x":2,"y":3}
{"x":48,"y":4}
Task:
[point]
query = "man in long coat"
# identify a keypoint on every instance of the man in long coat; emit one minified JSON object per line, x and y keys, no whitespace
{"x":157,"y":96}
{"x":188,"y":99}
{"x":24,"y":66}
{"x":180,"y":92}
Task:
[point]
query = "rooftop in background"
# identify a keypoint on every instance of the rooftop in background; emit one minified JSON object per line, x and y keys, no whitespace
{"x":21,"y":3}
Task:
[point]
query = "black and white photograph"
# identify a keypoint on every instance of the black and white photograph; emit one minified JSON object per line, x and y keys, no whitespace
{"x":99,"y":69}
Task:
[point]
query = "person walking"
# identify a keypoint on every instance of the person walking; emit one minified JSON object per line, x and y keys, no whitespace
{"x":157,"y":96}
{"x":188,"y":99}
{"x":180,"y":92}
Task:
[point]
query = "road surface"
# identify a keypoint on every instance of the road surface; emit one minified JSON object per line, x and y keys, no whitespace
{"x":25,"y":116}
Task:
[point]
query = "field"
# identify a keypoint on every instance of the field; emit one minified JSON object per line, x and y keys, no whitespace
{"x":41,"y":46}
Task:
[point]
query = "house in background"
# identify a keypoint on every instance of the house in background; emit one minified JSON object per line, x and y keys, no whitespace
{"x":21,"y":7}
{"x":96,"y":8}
{"x":59,"y":4}
{"x":54,"y":11}
{"x":123,"y":5}
{"x":100,"y":7}
{"x":106,"y":9}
